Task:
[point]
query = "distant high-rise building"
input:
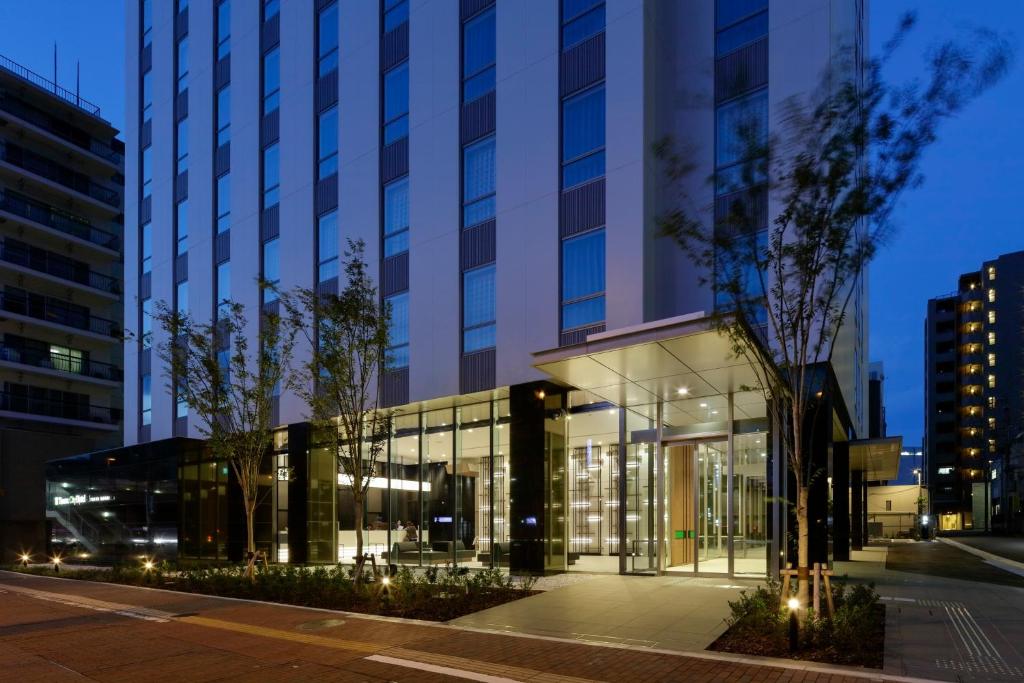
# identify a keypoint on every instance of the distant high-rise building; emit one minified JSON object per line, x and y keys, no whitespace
{"x":61,"y":222}
{"x":876,"y":401}
{"x":973,"y":401}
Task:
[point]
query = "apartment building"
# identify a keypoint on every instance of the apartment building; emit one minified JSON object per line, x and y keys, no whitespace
{"x":61,"y":226}
{"x":973,"y":404}
{"x":562,"y":399}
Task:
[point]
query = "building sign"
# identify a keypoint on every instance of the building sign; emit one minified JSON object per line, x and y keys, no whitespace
{"x":81,"y":499}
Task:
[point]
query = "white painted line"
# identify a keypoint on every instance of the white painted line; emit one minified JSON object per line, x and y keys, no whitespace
{"x":444,"y":670}
{"x":998,"y":561}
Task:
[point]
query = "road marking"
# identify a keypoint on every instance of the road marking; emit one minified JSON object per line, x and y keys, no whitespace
{"x":472,"y":669}
{"x":306,"y":638}
{"x":131,"y":611}
{"x":981,"y":656}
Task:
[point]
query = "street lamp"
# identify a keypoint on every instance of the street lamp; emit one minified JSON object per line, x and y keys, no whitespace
{"x":920,"y":521}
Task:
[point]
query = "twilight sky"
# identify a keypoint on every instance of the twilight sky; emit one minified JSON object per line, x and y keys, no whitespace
{"x":958,"y":219}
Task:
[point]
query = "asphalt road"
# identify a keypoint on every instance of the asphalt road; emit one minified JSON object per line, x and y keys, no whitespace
{"x":1010,"y":547}
{"x":934,"y":558}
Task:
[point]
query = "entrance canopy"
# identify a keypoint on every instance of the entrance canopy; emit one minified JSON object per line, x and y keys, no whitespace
{"x":683,"y":362}
{"x":879,"y":459}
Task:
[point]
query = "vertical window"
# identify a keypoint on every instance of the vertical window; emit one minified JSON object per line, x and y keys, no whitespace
{"x":581,"y":19}
{"x":327,"y":30}
{"x":147,"y":248}
{"x":327,"y":131}
{"x":396,"y":217}
{"x":478,"y":50}
{"x":147,"y":22}
{"x":741,"y":127}
{"x":327,"y":246}
{"x":746,"y":31}
{"x":396,"y":12}
{"x":146,"y":323}
{"x":583,"y":124}
{"x":223,"y":29}
{"x":223,"y":288}
{"x":224,"y":115}
{"x":223,"y":203}
{"x":478,"y":182}
{"x":147,"y":399}
{"x":396,"y":103}
{"x":271,"y":80}
{"x":147,"y":172}
{"x":271,"y":268}
{"x":271,"y":176}
{"x":180,"y":405}
{"x":271,"y":8}
{"x":991,"y":296}
{"x":398,"y":342}
{"x":182,"y":220}
{"x":181,"y":297}
{"x":147,"y":95}
{"x":583,"y":261}
{"x":182,"y":136}
{"x":183,"y":64}
{"x":478,"y":299}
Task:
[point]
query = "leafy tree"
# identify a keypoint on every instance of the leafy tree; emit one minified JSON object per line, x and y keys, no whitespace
{"x":835,"y":164}
{"x":229,"y":389}
{"x":348,"y":337}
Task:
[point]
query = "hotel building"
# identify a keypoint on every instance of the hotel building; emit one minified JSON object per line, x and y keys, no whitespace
{"x":563,"y":401}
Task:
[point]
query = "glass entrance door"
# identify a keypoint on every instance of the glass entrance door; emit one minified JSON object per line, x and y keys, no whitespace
{"x":712,"y":507}
{"x":641,"y":486}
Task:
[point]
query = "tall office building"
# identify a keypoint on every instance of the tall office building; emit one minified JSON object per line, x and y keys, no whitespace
{"x":496,"y":157}
{"x":61,"y":192}
{"x":974,"y":409}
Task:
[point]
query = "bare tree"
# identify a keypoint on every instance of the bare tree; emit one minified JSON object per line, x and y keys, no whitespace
{"x":348,"y":337}
{"x":229,"y":389}
{"x":835,"y":164}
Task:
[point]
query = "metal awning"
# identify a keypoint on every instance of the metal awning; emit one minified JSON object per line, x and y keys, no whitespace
{"x":684,"y":362}
{"x":879,"y":459}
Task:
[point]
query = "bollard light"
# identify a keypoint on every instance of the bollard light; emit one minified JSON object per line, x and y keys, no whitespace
{"x":148,"y":565}
{"x":794,"y":627}
{"x":25,"y":558}
{"x":56,"y":563}
{"x":386,"y":580}
{"x":794,"y":604}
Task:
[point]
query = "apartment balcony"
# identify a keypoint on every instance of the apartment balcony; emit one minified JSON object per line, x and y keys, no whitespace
{"x":63,"y":176}
{"x":56,"y":314}
{"x":30,"y":117}
{"x":55,"y":265}
{"x":36,"y":213}
{"x":61,"y":364}
{"x":37,"y":405}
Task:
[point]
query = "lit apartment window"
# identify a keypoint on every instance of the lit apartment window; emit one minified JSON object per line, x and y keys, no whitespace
{"x":991,"y":273}
{"x":327,"y":132}
{"x":271,"y":175}
{"x":945,"y":470}
{"x":396,"y":103}
{"x":271,"y":80}
{"x":583,"y":133}
{"x":396,"y":217}
{"x":583,"y":281}
{"x":581,"y":19}
{"x":478,"y":314}
{"x":147,"y":247}
{"x":147,"y":399}
{"x":991,"y":295}
{"x":991,"y":360}
{"x":991,"y":338}
{"x":327,"y":32}
{"x":396,"y":12}
{"x":991,"y":317}
{"x":398,"y":342}
{"x":223,"y":203}
{"x":182,"y":136}
{"x":224,"y":115}
{"x":223,"y":29}
{"x":223,"y":288}
{"x":327,"y":246}
{"x":991,"y":381}
{"x":271,"y":268}
{"x":991,"y":401}
{"x":991,"y":423}
{"x":182,"y":221}
{"x":183,"y":64}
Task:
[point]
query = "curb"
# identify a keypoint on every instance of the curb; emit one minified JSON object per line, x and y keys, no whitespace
{"x":1004,"y":563}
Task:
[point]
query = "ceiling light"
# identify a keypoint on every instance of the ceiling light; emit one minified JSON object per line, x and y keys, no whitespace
{"x":703,"y":405}
{"x":683,"y":391}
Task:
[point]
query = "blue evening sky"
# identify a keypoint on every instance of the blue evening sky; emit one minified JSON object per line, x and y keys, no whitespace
{"x":959,"y":218}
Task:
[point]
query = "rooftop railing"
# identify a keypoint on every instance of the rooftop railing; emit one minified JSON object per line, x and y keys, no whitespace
{"x":49,"y":86}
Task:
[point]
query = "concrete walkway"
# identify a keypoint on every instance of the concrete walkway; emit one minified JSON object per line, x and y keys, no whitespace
{"x":642,"y":611}
{"x":949,"y":615}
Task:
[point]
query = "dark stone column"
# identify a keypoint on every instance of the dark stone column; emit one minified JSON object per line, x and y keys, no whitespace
{"x":298,"y":492}
{"x":818,"y":435}
{"x":841,"y":500}
{"x":528,"y":476}
{"x":858,"y":514}
{"x":864,"y":509}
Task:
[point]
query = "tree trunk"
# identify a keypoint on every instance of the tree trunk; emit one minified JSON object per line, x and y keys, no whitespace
{"x":802,"y":549}
{"x":250,"y":522}
{"x":359,"y":503}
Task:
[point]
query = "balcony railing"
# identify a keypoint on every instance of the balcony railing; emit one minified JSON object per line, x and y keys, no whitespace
{"x":62,"y":362}
{"x":52,"y":217}
{"x":58,"y":312}
{"x":63,"y":130}
{"x":41,"y":166}
{"x":48,"y":85}
{"x":43,"y":261}
{"x":17,"y":402}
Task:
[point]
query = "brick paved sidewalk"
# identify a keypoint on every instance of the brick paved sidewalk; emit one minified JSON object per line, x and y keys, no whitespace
{"x":53,"y":630}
